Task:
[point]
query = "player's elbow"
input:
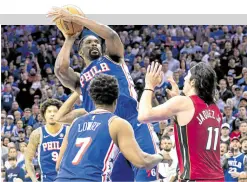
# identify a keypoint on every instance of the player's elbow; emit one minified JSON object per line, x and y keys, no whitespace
{"x":60,"y":70}
{"x":143,"y":118}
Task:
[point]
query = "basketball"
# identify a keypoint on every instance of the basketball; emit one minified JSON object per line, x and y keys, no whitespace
{"x":68,"y":27}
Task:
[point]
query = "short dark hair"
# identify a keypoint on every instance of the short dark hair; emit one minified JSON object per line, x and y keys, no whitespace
{"x":205,"y":81}
{"x":103,"y":89}
{"x":83,"y":38}
{"x":166,"y":137}
{"x":47,"y":103}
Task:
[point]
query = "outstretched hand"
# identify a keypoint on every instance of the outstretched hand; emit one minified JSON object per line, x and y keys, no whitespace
{"x":175,"y":90}
{"x":153,"y":75}
{"x":60,"y":13}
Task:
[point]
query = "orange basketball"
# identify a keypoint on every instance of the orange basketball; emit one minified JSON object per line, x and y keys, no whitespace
{"x":67,"y":27}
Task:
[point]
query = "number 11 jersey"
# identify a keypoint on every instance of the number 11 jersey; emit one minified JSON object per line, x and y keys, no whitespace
{"x":198,"y":143}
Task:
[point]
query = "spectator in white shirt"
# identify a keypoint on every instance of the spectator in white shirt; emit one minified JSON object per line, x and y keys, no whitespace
{"x":168,"y":169}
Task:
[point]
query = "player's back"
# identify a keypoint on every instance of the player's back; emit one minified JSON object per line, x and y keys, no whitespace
{"x":127,"y":100}
{"x":48,"y":151}
{"x":91,"y":152}
{"x":198,"y":143}
{"x":235,"y":164}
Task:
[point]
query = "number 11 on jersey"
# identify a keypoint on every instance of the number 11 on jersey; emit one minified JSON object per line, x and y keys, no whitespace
{"x":210,"y":136}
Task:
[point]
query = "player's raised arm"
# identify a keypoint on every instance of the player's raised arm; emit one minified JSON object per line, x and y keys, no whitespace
{"x":30,"y":153}
{"x":123,"y":136}
{"x":65,"y":113}
{"x":115,"y":48}
{"x":172,"y":107}
{"x":66,"y":75}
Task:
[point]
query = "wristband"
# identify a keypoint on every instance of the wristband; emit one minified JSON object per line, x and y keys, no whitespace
{"x":149,"y":89}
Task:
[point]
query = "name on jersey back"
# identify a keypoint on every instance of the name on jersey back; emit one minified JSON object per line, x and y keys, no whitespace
{"x":88,"y":126}
{"x":207,"y":114}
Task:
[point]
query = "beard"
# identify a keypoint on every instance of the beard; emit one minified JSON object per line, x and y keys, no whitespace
{"x":167,"y":150}
{"x":93,"y":55}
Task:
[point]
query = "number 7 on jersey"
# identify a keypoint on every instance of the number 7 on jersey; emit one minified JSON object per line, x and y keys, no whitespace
{"x":84,"y":143}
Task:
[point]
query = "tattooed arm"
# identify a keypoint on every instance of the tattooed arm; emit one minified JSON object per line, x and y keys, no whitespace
{"x":30,"y":153}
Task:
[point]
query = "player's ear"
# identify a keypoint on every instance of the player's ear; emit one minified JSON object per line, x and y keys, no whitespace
{"x":80,"y":52}
{"x":192,"y":82}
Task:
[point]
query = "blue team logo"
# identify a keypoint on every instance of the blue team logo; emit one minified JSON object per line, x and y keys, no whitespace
{"x":61,"y":135}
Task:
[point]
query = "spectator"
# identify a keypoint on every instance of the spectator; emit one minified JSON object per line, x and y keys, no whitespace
{"x":168,"y":168}
{"x":17,"y":116}
{"x":237,"y":97}
{"x":15,"y":107}
{"x":33,"y":118}
{"x":14,"y":172}
{"x":243,"y":102}
{"x":166,"y":71}
{"x":26,"y":116}
{"x":243,"y":142}
{"x":7,"y":97}
{"x":228,"y":118}
{"x":243,"y":129}
{"x":60,"y":94}
{"x":8,"y":128}
{"x":223,"y":151}
{"x":235,"y":161}
{"x":224,"y":92}
{"x":173,"y":64}
{"x":225,"y":131}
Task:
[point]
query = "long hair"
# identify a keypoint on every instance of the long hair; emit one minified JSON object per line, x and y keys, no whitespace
{"x":205,"y":82}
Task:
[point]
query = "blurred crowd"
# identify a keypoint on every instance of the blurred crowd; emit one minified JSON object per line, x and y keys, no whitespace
{"x":28,"y":54}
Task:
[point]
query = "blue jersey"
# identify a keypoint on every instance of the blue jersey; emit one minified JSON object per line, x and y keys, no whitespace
{"x":235,"y":164}
{"x":91,"y":152}
{"x":127,"y":100}
{"x":48,"y":151}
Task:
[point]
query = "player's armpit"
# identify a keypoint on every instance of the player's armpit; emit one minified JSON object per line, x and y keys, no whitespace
{"x":30,"y":153}
{"x":123,"y":135}
{"x":69,"y":79}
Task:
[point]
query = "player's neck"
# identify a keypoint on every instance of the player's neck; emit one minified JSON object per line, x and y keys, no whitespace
{"x":191,"y":92}
{"x":53,"y":129}
{"x":105,"y":107}
{"x":87,"y":62}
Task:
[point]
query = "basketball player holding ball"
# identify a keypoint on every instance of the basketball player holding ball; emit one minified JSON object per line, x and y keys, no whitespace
{"x":197,"y":131}
{"x":112,"y":63}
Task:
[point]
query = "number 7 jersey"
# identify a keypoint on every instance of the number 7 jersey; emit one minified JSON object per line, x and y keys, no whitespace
{"x":198,"y":144}
{"x":91,"y":152}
